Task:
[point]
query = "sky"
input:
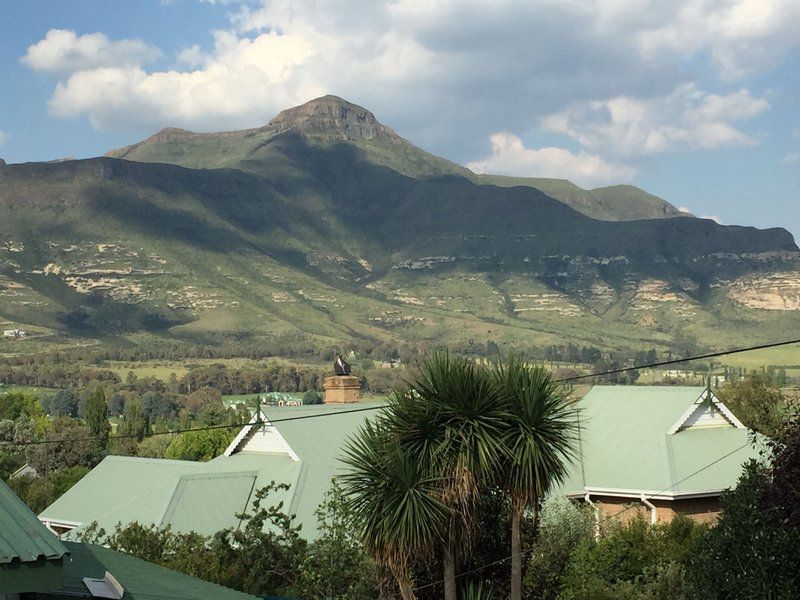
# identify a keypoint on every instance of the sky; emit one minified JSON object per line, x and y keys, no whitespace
{"x":696,"y":101}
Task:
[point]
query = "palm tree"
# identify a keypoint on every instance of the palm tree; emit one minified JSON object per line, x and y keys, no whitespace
{"x":540,"y":440}
{"x":394,"y":499}
{"x":453,"y":419}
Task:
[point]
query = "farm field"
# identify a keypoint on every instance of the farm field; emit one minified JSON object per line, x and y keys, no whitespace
{"x":785,"y":356}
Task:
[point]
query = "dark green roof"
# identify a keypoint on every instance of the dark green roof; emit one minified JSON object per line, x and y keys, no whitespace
{"x":140,"y":579}
{"x":30,"y":555}
{"x":23,"y":538}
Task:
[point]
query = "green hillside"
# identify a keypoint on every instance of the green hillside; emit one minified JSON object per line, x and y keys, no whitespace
{"x":325,"y":227}
{"x":615,"y":203}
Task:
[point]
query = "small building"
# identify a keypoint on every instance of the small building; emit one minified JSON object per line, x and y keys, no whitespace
{"x":663,"y":449}
{"x":15,"y":334}
{"x":206,"y":496}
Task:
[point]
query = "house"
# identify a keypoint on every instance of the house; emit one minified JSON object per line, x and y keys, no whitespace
{"x":663,"y":449}
{"x":206,"y":496}
{"x":36,"y":565}
{"x":15,"y":333}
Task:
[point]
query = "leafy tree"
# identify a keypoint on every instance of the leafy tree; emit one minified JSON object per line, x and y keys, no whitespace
{"x":540,"y":437}
{"x":14,"y":405}
{"x":748,"y":555}
{"x":154,"y":446}
{"x":96,"y":414}
{"x":64,"y":403}
{"x":631,"y":557}
{"x":759,"y":405}
{"x":157,"y":405}
{"x":134,"y":422}
{"x":12,"y":434}
{"x":781,"y":497}
{"x":132,"y":429}
{"x":337,"y":566}
{"x":39,"y":492}
{"x":68,"y":447}
{"x":200,"y":445}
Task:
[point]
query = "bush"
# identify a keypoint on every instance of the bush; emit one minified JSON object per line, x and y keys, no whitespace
{"x":312,"y":397}
{"x":634,"y":559}
{"x":563,"y":527}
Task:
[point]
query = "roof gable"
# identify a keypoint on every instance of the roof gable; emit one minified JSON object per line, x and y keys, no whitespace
{"x":706,"y":411}
{"x":260,"y":437}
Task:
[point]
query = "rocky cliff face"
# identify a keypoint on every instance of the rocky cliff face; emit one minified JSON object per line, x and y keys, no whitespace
{"x":333,"y":118}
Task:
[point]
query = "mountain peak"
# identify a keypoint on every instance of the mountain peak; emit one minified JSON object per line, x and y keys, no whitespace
{"x":331,"y":117}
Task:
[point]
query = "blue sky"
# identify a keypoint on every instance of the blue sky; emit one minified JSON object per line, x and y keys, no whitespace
{"x":697,"y":101}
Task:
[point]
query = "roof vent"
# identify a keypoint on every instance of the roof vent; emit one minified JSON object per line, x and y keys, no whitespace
{"x":107,"y":587}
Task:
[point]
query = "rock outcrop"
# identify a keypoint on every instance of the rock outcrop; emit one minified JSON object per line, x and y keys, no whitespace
{"x":331,"y":117}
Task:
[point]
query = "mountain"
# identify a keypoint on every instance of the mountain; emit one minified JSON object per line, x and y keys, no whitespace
{"x":325,"y":227}
{"x":332,"y":119}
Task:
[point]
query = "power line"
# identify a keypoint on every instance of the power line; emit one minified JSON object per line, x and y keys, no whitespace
{"x":381,"y":406}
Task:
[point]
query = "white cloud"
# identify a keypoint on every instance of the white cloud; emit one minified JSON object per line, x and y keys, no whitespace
{"x":741,"y":36}
{"x":243,"y":82}
{"x":685,"y":118}
{"x":510,"y":157}
{"x":63,"y":51}
{"x":446,"y":74}
{"x":790,"y":159}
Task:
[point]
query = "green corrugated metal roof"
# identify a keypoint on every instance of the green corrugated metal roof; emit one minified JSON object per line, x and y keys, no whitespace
{"x":190,"y":508}
{"x":23,"y":538}
{"x":31,"y":557}
{"x":625,"y":445}
{"x":122,"y":488}
{"x":319,"y":443}
{"x":140,"y":579}
{"x":204,"y":497}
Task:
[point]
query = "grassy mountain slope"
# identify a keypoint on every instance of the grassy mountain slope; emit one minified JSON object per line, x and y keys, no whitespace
{"x":321,"y":229}
{"x":330,"y":120}
{"x":615,"y":203}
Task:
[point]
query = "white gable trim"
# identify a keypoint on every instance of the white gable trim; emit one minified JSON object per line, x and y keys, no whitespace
{"x":682,"y":422}
{"x":247,"y":434}
{"x":60,"y":523}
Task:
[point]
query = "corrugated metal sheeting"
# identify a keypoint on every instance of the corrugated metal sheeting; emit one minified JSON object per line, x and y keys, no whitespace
{"x":23,"y":537}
